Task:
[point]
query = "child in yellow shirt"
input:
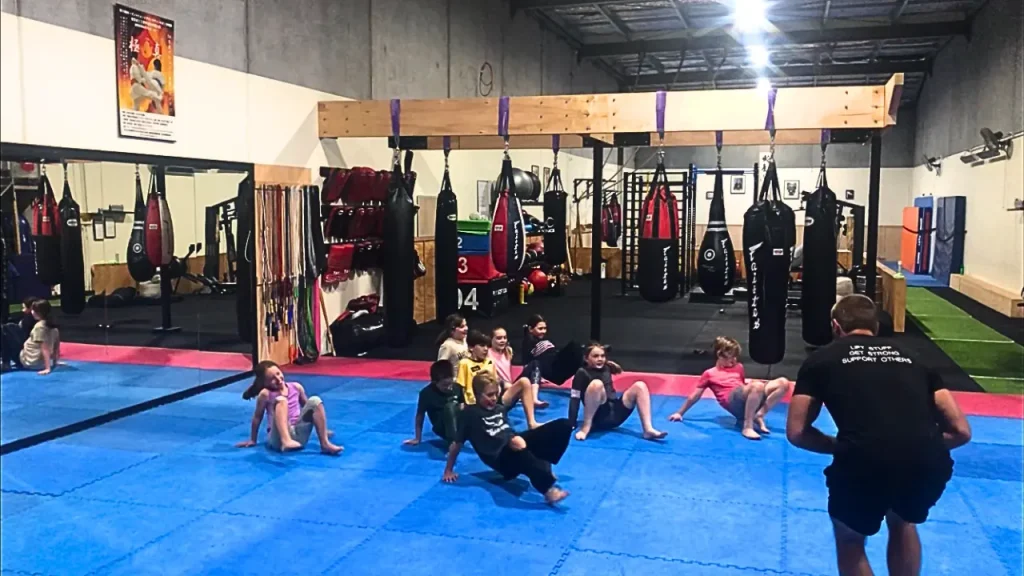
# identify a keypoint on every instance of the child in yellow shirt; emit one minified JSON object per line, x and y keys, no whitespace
{"x":479,"y":362}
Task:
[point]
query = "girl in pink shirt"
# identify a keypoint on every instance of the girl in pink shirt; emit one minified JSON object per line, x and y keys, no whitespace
{"x":501,"y":354}
{"x":747,"y":401}
{"x":291,"y":416}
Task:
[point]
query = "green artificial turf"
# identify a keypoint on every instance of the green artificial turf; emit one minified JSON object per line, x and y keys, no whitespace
{"x":995,"y":361}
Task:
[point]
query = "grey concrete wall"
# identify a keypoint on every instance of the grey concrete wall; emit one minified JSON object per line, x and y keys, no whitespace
{"x":897,"y":152}
{"x":975,"y":84}
{"x":357,"y":48}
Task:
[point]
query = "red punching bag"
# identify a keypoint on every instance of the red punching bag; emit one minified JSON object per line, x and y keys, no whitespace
{"x":46,"y":234}
{"x":159,"y":227}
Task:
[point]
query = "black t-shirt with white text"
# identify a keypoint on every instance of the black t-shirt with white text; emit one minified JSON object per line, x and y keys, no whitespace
{"x":487,"y":430}
{"x":881,"y":398}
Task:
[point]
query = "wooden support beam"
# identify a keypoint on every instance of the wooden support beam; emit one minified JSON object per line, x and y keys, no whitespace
{"x":893,"y":94}
{"x":835,"y":107}
{"x":497,"y":143}
{"x":739,"y":138}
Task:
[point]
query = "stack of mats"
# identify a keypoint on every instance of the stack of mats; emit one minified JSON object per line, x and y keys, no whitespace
{"x":482,"y":289}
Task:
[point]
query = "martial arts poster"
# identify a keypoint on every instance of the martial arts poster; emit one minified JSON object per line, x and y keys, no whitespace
{"x":145,"y":74}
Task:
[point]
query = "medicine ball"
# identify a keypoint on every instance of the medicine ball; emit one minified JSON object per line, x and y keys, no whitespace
{"x":539,"y":280}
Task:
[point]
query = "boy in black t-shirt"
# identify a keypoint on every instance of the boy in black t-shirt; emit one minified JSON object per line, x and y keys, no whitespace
{"x":897,"y":424}
{"x":440,"y":401}
{"x":485,"y":424}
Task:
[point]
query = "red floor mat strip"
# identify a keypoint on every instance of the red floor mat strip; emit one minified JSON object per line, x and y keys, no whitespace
{"x":972,"y":403}
{"x":156,"y":356}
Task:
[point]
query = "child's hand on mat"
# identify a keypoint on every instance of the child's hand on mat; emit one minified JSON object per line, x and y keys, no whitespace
{"x":675,"y":417}
{"x":411,"y":442}
{"x":450,"y":476}
{"x":44,"y":372}
{"x":245,"y":444}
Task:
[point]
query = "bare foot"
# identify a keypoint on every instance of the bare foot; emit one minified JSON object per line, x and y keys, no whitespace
{"x":534,"y":424}
{"x":288,"y":445}
{"x":761,"y":426}
{"x":331,"y":449}
{"x":540,"y":404}
{"x":749,"y":434}
{"x":653,"y":434}
{"x":555,"y":495}
{"x":581,"y":434}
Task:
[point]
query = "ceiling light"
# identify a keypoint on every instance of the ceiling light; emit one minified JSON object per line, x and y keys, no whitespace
{"x":749,"y":15}
{"x":763,"y":85}
{"x":759,"y":56}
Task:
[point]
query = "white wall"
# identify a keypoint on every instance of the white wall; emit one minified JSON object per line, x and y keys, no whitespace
{"x":994,"y":243}
{"x":222,"y":115}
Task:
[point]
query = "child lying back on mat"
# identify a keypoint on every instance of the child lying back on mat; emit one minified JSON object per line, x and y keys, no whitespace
{"x":440,"y":401}
{"x":291,"y":416}
{"x":485,"y":424}
{"x":479,"y":362}
{"x":748,"y":402}
{"x":542,"y":361}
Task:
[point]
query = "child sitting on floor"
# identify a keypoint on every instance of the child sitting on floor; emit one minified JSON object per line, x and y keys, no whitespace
{"x":41,"y":349}
{"x":440,"y":401}
{"x":748,"y":402}
{"x":291,"y":416}
{"x":532,"y":453}
{"x":14,"y":335}
{"x":480,"y":362}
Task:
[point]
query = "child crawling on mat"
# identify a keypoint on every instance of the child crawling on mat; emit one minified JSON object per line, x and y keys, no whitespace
{"x":440,"y":401}
{"x":479,"y":362}
{"x":603,"y":408}
{"x":291,"y":416}
{"x":748,"y":402}
{"x":485,"y":424}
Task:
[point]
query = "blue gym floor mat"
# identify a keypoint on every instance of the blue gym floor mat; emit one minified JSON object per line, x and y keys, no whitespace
{"x":166,"y":492}
{"x":77,"y":390}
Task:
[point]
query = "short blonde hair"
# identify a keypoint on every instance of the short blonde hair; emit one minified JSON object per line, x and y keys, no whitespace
{"x":483,"y":381}
{"x":726,"y":346}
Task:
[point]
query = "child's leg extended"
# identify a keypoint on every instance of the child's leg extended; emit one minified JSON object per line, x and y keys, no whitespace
{"x":640,"y":397}
{"x":593,"y":398}
{"x":314,"y":412}
{"x":513,"y":462}
{"x":549,"y":442}
{"x":521,"y":390}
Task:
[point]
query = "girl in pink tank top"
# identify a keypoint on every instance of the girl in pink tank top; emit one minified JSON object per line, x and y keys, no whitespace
{"x":291,"y":415}
{"x":748,"y":402}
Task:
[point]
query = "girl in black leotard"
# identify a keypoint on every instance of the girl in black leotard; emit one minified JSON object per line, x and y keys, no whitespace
{"x":543,"y":361}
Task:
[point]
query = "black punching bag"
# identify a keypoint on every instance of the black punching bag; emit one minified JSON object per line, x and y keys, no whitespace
{"x":658,"y":246}
{"x":245,"y":310}
{"x":819,"y":276}
{"x":769,"y":233}
{"x":399,"y":261}
{"x":716,"y":269}
{"x":72,"y":287}
{"x":139,"y":266}
{"x":446,"y":251}
{"x":555,"y":241}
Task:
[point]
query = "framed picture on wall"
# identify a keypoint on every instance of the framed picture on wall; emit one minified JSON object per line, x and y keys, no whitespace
{"x":483,"y":196}
{"x":792,"y":189}
{"x":547,"y":177}
{"x":739,"y":185}
{"x":850,"y":194}
{"x":535,"y":169}
{"x":709,"y":194}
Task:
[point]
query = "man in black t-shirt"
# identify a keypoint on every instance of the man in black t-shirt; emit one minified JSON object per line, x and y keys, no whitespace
{"x":485,"y":424}
{"x":440,"y":401}
{"x":897,"y":424}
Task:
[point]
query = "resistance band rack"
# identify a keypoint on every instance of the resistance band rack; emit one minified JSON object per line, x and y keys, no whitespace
{"x":676,"y":118}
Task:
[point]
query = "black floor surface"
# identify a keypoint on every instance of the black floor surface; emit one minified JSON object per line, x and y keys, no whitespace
{"x":207,"y":321}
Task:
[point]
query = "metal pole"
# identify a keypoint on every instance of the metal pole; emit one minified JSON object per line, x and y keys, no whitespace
{"x":597,"y":200}
{"x":874,"y":181}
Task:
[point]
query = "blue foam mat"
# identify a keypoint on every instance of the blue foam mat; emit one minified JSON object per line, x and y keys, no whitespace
{"x":166,"y":492}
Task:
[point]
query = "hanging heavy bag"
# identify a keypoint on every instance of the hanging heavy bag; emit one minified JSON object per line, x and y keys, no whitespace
{"x":4,"y":307}
{"x":399,"y":261}
{"x":159,"y":227}
{"x":72,"y":286}
{"x":317,"y":243}
{"x":818,"y":294}
{"x":508,"y":236}
{"x":555,"y":250}
{"x":769,"y":231}
{"x":658,"y":246}
{"x":245,"y":310}
{"x":611,"y":221}
{"x":716,"y":267}
{"x":46,"y":235}
{"x":446,"y":251}
{"x":138,"y":262}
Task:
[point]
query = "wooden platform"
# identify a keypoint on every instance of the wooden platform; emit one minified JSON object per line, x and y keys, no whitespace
{"x":893,"y":296}
{"x":1001,"y":300}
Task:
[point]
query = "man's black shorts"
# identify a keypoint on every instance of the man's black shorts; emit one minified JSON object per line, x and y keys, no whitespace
{"x":611,"y":415}
{"x":860,"y":495}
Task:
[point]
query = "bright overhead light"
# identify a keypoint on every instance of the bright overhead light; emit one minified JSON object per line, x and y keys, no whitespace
{"x":759,"y":56}
{"x":763,"y":85}
{"x":749,"y":15}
